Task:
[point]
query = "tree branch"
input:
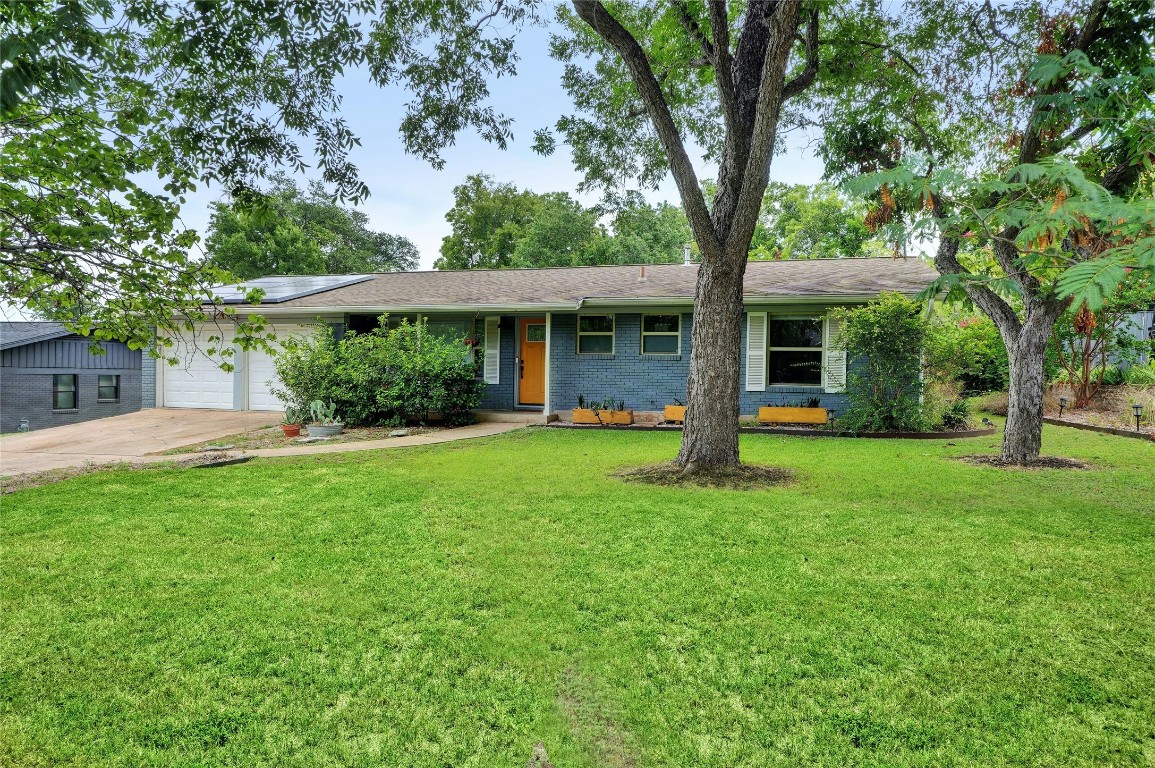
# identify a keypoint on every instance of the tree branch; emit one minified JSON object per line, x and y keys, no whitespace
{"x":946,"y":261}
{"x":784,"y":25}
{"x":880,"y":46}
{"x":593,"y":13}
{"x":724,"y":64}
{"x":690,"y":24}
{"x":806,"y":77}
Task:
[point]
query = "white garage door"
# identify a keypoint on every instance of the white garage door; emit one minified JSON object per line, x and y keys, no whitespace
{"x":261,"y":371}
{"x":198,"y":382}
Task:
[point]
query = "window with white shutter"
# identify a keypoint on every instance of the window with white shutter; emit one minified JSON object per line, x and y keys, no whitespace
{"x":755,"y":351}
{"x":835,"y":368}
{"x":492,"y":365}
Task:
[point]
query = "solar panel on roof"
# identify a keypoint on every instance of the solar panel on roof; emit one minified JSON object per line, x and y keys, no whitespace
{"x":279,"y":288}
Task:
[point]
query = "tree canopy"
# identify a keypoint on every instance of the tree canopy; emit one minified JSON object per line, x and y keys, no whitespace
{"x":1028,"y":158}
{"x":800,"y":221}
{"x":497,"y":226}
{"x":110,"y":113}
{"x":298,"y":232}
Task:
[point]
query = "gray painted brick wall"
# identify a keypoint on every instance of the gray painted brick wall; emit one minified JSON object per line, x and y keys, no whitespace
{"x":29,"y":396}
{"x":26,"y":382}
{"x":147,"y":380}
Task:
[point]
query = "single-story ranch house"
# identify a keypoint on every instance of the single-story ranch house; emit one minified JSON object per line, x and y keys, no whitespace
{"x":50,"y":377}
{"x":549,"y":335}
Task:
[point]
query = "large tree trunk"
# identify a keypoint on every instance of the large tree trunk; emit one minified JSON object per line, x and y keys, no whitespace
{"x":710,"y":434}
{"x":752,"y":88}
{"x":1027,"y":351}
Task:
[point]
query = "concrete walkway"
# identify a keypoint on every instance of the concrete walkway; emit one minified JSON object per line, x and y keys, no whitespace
{"x":122,"y":438}
{"x":133,"y":436}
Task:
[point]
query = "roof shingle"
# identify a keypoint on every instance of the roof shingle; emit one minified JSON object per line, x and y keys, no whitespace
{"x":571,"y":286}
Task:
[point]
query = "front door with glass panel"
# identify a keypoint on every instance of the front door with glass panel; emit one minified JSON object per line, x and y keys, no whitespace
{"x":531,"y":362}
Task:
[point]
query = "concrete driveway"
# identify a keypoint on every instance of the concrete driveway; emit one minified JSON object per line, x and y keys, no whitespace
{"x":122,"y":438}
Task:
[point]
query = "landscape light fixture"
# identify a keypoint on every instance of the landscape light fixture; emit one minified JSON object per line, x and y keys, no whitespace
{"x":1137,"y":409}
{"x":1062,"y":405}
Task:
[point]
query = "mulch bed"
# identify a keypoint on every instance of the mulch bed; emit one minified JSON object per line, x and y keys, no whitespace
{"x":745,"y":477}
{"x":795,"y":431}
{"x":1043,"y":462}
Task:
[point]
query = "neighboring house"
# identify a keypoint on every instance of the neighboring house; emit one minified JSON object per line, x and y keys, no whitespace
{"x":50,"y":377}
{"x":1141,"y":325}
{"x":549,"y":335}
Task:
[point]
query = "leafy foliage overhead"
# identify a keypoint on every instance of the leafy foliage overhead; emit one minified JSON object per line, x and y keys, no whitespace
{"x":110,"y":113}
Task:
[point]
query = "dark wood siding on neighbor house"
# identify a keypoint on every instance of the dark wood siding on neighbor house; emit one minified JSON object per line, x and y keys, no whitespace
{"x":26,"y":381}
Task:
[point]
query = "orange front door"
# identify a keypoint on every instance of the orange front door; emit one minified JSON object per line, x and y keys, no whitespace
{"x":531,"y":362}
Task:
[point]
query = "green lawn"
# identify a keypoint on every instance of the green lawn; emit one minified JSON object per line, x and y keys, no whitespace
{"x":450,"y":606}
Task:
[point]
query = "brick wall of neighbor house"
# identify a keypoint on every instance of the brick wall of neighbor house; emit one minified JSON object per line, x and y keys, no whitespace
{"x":147,"y":380}
{"x":645,"y":382}
{"x":26,"y":382}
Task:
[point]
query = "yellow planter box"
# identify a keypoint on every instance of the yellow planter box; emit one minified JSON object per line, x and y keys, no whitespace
{"x":617,"y":417}
{"x":674,"y":413}
{"x":784,"y":415}
{"x":585,"y":416}
{"x":590,"y":416}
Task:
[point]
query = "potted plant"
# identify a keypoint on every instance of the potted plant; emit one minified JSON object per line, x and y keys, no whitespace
{"x":807,"y":411}
{"x":291,"y":424}
{"x":675,"y":413}
{"x":325,"y":421}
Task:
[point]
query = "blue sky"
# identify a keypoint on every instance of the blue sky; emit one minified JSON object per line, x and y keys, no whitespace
{"x":409,"y":197}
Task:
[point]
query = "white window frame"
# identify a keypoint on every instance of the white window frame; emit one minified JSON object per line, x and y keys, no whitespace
{"x":645,"y":333}
{"x":612,"y":333}
{"x":819,"y":350}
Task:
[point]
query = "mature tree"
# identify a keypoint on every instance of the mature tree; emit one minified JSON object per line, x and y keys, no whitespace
{"x":293,"y":232}
{"x":487,"y":220}
{"x":97,"y":98}
{"x":1022,"y":157}
{"x":800,"y":221}
{"x":496,"y":225}
{"x":718,"y":74}
{"x":561,"y":233}
{"x":650,"y":234}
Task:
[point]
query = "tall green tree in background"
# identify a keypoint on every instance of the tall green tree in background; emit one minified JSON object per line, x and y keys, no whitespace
{"x":1018,"y":137}
{"x":800,"y":221}
{"x":291,"y":231}
{"x":498,"y":226}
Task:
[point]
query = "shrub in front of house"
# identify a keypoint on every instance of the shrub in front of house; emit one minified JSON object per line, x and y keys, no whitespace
{"x":909,"y":374}
{"x":883,"y":383}
{"x":389,"y":376}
